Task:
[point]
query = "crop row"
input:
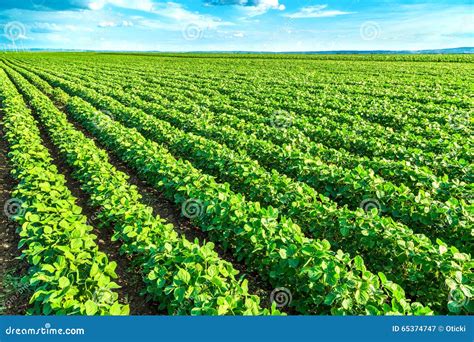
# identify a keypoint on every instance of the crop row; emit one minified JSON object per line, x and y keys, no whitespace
{"x":398,"y":171}
{"x":320,"y":280}
{"x":68,"y":274}
{"x":319,"y":95}
{"x":449,"y":220}
{"x":181,"y":276}
{"x":320,"y":82}
{"x":327,"y":128}
{"x":377,"y":239}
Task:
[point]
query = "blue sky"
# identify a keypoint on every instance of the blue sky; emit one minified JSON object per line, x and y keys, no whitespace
{"x":227,"y":25}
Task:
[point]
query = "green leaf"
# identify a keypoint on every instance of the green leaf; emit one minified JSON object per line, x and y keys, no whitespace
{"x":294,"y":262}
{"x":94,"y":270}
{"x":359,"y":263}
{"x":36,"y":259}
{"x":179,"y":293}
{"x":76,"y":244}
{"x":454,"y":307}
{"x":329,"y":299}
{"x":64,"y":282}
{"x":442,"y":249}
{"x":183,"y":275}
{"x":91,"y":307}
{"x":48,"y":268}
{"x":345,"y":231}
{"x":115,"y":309}
{"x":383,"y":278}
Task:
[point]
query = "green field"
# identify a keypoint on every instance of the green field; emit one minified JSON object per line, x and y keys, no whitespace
{"x":220,"y":184}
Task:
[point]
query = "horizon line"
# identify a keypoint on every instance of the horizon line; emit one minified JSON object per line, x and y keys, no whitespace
{"x":19,"y":50}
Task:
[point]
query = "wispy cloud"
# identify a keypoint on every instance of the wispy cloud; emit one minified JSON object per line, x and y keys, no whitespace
{"x":178,"y":15}
{"x":123,"y":23}
{"x":317,"y":11}
{"x":141,"y":5}
{"x":251,"y":8}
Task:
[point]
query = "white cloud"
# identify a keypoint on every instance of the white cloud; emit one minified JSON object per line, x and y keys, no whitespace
{"x":270,"y":4}
{"x":259,"y":7}
{"x":317,"y":11}
{"x":124,"y":23}
{"x":107,"y":24}
{"x":142,"y":5}
{"x":179,"y":15}
{"x":170,"y":16}
{"x":42,"y":27}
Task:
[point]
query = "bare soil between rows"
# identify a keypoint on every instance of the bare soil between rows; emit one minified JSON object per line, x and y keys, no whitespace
{"x":14,"y":296}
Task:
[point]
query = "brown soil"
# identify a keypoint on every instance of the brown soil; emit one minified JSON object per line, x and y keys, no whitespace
{"x":14,"y":296}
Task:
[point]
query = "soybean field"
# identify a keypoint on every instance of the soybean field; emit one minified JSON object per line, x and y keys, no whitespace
{"x":237,"y":184}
